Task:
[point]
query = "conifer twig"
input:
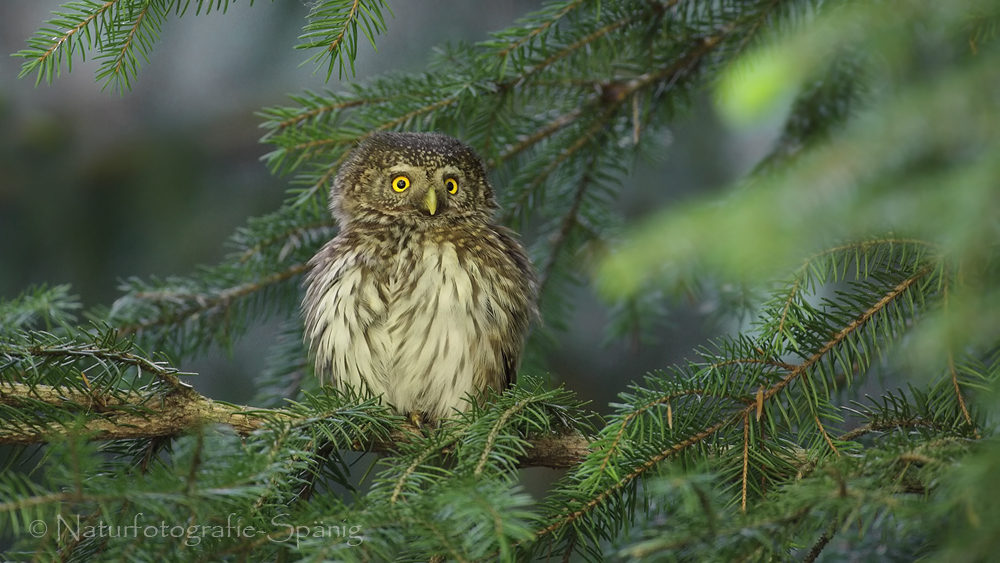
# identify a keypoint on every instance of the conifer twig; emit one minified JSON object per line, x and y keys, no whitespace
{"x":205,"y":302}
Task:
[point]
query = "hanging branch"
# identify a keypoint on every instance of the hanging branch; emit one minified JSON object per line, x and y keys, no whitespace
{"x":333,"y":26}
{"x":74,"y":30}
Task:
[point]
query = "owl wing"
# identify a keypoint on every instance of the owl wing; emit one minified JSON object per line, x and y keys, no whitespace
{"x":343,"y":302}
{"x":326,"y":268}
{"x":524,"y":286}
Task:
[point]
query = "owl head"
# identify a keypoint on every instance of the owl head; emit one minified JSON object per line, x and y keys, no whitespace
{"x":412,"y":178}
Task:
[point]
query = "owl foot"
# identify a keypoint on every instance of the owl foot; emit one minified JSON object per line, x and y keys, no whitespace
{"x":417,"y":419}
{"x":422,"y":421}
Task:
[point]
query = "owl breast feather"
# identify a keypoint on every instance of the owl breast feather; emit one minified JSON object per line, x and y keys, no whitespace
{"x":424,"y":327}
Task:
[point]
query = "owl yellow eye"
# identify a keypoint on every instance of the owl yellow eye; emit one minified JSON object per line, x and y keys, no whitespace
{"x":400,"y":183}
{"x":452,"y":185}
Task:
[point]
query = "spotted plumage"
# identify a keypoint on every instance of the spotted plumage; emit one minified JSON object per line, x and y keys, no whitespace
{"x":420,"y":298}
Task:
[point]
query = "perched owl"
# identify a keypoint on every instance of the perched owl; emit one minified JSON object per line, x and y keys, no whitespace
{"x":420,"y":297}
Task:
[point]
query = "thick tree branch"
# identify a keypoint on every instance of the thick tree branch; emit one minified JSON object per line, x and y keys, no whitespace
{"x":117,"y":418}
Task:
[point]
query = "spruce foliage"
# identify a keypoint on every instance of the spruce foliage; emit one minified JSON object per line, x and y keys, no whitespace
{"x":867,"y":242}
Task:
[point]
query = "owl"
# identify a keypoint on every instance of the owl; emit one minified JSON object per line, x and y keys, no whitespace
{"x":421,"y":298}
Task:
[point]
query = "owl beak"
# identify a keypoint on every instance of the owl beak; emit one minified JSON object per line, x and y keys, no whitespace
{"x":431,"y":201}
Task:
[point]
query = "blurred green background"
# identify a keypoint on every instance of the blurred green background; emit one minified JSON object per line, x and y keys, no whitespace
{"x":95,"y":187}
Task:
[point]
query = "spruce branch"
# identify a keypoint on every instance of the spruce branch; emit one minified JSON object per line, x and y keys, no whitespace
{"x":63,"y":36}
{"x":548,"y":18}
{"x":332,"y":28}
{"x":123,"y":30}
{"x":120,"y":31}
{"x":734,"y":418}
{"x":45,"y":307}
{"x":746,"y":462}
{"x":209,"y":313}
{"x":436,"y":448}
{"x":709,"y":529}
{"x":106,"y":351}
{"x":826,"y":436}
{"x":576,"y":46}
{"x":958,"y":389}
{"x":611,"y":105}
{"x":820,"y":544}
{"x":885,"y":425}
{"x":314,"y":110}
{"x":612,"y":449}
{"x":569,"y":221}
{"x":952,"y":372}
{"x":289,"y":238}
{"x":846,"y":331}
{"x":115,"y":417}
{"x":810,"y":272}
{"x":544,"y":132}
{"x":587,"y":137}
{"x":308,"y":147}
{"x":494,"y":434}
{"x":121,"y":66}
{"x":112,"y":417}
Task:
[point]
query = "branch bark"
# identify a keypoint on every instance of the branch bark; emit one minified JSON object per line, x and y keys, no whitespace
{"x":172,"y":414}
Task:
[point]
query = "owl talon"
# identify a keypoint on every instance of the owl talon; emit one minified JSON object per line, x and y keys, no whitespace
{"x":417,"y":419}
